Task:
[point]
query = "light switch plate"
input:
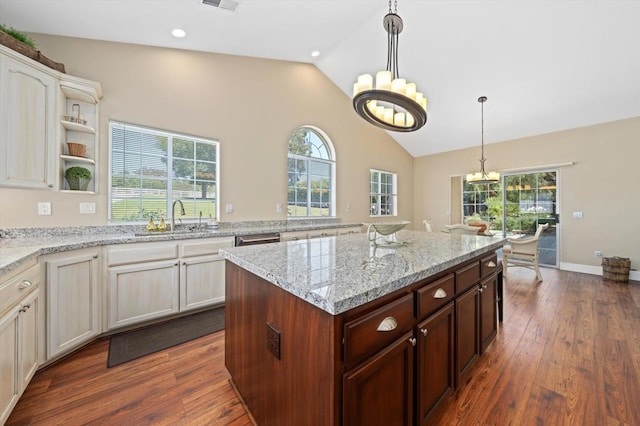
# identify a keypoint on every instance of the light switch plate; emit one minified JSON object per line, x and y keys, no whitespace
{"x":228,"y":208}
{"x":87,"y":207}
{"x":44,"y":208}
{"x":577,"y":215}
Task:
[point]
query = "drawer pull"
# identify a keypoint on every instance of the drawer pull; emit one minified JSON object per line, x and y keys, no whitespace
{"x":424,"y":331}
{"x":24,"y":308}
{"x":388,"y":324}
{"x":25,"y":284}
{"x":412,"y":341}
{"x":491,"y":264}
{"x":439,"y":294}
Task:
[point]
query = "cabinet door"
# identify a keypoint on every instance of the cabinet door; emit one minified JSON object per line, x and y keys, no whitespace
{"x":143,"y":291}
{"x":28,"y":339}
{"x":435,"y":361}
{"x":467,"y":325}
{"x":380,"y":392}
{"x":201,"y":282}
{"x":488,"y":310}
{"x":9,"y":388}
{"x":27,"y":126}
{"x":72,"y":300}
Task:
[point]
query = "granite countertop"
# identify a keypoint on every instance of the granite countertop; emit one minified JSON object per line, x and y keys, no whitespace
{"x":339,"y":273}
{"x":19,"y":246}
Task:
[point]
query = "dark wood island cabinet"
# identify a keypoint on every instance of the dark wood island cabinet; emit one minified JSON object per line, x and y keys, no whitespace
{"x":321,"y":352}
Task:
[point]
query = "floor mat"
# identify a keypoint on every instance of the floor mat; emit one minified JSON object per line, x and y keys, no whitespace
{"x":135,"y":344}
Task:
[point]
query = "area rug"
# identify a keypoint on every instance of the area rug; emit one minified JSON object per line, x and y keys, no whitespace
{"x":135,"y":344}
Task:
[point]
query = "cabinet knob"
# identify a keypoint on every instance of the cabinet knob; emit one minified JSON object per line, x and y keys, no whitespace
{"x":50,"y":185}
{"x":25,"y":284}
{"x":424,"y":331}
{"x":484,"y":286}
{"x":387,"y":324}
{"x":95,"y":256}
{"x":480,"y":290}
{"x":24,"y":308}
{"x":412,"y":341}
{"x":439,"y":294}
{"x":491,"y":264}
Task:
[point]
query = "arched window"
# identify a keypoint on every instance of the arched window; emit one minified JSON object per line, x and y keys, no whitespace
{"x":311,"y":179}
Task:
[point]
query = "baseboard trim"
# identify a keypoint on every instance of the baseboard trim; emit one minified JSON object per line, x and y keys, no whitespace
{"x":593,"y":270}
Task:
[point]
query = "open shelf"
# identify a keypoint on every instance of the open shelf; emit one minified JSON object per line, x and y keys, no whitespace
{"x":76,"y":127}
{"x":75,"y":159}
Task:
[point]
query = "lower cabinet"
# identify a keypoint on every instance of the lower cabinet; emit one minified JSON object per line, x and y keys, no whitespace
{"x":380,"y":392}
{"x":147,"y":281}
{"x":435,"y":361}
{"x":488,"y":311}
{"x":142,"y":291}
{"x":468,"y":331}
{"x":19,"y":336}
{"x":73,"y":307}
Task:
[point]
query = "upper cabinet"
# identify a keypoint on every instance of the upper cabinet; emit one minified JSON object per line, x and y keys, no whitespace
{"x":27,"y":125}
{"x":79,"y":131}
{"x":49,"y":122}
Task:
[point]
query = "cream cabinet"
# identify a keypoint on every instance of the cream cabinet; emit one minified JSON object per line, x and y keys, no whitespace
{"x":20,"y":331}
{"x":73,"y":308}
{"x":27,"y":123}
{"x":147,"y":281}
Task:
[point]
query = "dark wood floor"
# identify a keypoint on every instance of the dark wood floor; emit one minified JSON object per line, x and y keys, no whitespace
{"x":567,"y":353}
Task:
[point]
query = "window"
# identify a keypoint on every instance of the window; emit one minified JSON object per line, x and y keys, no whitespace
{"x":383,"y":194}
{"x":311,"y":174}
{"x":150,"y":169}
{"x":481,"y":200}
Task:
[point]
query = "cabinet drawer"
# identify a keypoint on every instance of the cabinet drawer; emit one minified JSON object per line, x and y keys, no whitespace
{"x":368,"y":334}
{"x":19,"y":286}
{"x":205,"y":246}
{"x":145,"y":252}
{"x":435,"y":295}
{"x":488,"y":265}
{"x":467,"y":276}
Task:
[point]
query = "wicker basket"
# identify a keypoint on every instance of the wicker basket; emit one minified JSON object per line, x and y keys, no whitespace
{"x":77,"y":149}
{"x":78,"y":184}
{"x":616,"y":269}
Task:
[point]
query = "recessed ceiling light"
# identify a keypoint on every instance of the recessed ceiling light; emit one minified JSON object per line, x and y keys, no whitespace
{"x":178,"y":33}
{"x":315,"y":53}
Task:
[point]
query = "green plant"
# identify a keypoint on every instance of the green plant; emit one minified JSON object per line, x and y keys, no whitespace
{"x":18,"y":35}
{"x":77,"y":173}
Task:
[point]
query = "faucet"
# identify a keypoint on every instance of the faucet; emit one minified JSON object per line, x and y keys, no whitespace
{"x":173,"y":213}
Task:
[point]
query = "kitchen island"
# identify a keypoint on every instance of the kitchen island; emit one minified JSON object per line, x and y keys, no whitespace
{"x":334,"y":331}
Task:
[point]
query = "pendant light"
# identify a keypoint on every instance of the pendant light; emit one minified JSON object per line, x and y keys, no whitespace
{"x":482,"y":177}
{"x":391,"y":103}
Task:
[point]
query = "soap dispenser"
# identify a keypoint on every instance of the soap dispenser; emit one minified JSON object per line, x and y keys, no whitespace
{"x":162,"y":226}
{"x":151,"y":226}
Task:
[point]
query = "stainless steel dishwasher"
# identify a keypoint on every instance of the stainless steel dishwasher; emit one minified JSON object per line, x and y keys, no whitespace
{"x":246,"y":240}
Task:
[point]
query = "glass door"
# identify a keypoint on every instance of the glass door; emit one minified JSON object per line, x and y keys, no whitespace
{"x":530,"y":199}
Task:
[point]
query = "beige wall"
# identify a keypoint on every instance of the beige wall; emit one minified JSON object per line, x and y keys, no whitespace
{"x":603,"y":184}
{"x":250,"y":105}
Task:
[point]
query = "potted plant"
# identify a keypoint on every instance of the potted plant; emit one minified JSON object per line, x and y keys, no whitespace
{"x":78,"y":178}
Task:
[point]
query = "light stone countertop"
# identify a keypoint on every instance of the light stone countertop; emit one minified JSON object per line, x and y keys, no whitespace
{"x":337,"y":274}
{"x":19,"y":246}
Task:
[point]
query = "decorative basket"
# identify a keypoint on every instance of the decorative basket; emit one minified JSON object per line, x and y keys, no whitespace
{"x":77,"y":149}
{"x":616,"y":269}
{"x":78,"y":184}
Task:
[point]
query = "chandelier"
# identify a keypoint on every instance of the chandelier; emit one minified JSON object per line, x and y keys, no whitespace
{"x":482,"y":177}
{"x":392,"y":103}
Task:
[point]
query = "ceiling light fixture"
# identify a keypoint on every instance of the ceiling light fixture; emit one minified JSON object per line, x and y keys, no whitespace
{"x":178,"y":33}
{"x":392,"y":104}
{"x":482,"y":177}
{"x":315,"y":53}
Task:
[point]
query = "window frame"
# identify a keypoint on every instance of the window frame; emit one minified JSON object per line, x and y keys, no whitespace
{"x":394,"y":194}
{"x":170,"y":171}
{"x":331,"y":161}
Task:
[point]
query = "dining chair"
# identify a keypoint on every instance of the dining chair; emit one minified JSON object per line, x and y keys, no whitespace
{"x":523,"y":252}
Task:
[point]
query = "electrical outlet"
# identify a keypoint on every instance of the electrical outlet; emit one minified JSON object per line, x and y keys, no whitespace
{"x":597,"y":253}
{"x":87,"y":207}
{"x":278,"y":208}
{"x":228,"y":208}
{"x":44,"y":209}
{"x":577,"y":215}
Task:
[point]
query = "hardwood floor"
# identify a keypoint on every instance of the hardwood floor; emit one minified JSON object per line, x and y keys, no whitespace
{"x":568,"y":353}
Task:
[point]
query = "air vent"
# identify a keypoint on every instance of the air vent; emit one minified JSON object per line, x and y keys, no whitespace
{"x":231,"y":5}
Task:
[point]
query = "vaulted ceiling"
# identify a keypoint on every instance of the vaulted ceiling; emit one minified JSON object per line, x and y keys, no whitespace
{"x":545,"y":65}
